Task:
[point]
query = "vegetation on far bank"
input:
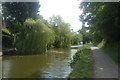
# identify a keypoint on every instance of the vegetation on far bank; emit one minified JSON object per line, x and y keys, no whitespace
{"x":36,"y":36}
{"x":28,"y":32}
{"x":82,"y":63}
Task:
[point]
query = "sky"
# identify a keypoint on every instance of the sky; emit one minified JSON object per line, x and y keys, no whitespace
{"x":67,"y":9}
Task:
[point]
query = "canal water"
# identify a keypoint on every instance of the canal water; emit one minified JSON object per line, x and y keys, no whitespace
{"x":53,"y":64}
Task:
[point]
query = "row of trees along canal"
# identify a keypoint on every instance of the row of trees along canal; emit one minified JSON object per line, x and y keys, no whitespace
{"x":103,"y":19}
{"x":30,"y":33}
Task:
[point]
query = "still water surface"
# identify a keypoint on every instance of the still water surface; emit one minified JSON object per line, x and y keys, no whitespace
{"x":54,"y":64}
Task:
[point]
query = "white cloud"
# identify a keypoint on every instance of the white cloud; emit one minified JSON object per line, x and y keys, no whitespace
{"x":68,"y":9}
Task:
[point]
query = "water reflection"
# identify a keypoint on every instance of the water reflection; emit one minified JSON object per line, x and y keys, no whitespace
{"x":54,"y":64}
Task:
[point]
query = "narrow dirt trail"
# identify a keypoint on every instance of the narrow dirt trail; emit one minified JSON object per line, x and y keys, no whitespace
{"x":104,"y":67}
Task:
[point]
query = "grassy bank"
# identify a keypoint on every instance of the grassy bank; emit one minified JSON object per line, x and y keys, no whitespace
{"x":112,"y":49}
{"x":82,"y":63}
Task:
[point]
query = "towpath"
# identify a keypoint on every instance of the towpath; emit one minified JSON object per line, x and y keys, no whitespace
{"x":104,"y":66}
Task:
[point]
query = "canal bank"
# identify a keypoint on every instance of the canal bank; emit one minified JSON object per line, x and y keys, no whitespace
{"x":82,"y":63}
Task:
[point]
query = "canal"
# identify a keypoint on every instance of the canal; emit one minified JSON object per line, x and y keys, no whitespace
{"x":53,"y":64}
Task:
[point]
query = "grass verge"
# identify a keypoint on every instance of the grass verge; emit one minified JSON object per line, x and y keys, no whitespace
{"x":82,"y":63}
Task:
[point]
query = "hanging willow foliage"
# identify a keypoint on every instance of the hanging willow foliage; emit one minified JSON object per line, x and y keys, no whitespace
{"x":63,"y":35}
{"x":34,"y":38}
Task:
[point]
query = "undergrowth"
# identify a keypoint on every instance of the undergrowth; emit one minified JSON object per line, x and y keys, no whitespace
{"x":82,"y":63}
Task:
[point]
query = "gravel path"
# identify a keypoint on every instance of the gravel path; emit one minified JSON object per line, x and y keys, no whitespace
{"x":104,"y":67}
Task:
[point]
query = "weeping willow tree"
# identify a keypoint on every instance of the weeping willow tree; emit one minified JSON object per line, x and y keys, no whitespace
{"x":63,"y":35}
{"x":34,"y":38}
{"x":62,"y":31}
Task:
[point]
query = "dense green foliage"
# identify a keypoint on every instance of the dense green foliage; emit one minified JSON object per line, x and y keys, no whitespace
{"x":20,"y":11}
{"x":82,"y":63}
{"x":103,"y":20}
{"x":63,"y":34}
{"x":14,"y":15}
{"x":104,"y":24}
{"x":85,"y":34}
{"x":76,"y":38}
{"x":35,"y":37}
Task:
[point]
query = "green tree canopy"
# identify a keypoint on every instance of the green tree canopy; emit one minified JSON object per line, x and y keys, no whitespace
{"x":62,"y":31}
{"x":76,"y":38}
{"x":14,"y":14}
{"x":35,"y":37}
{"x":20,"y":11}
{"x":103,"y":20}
